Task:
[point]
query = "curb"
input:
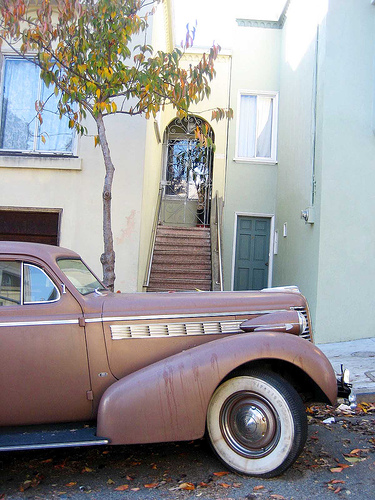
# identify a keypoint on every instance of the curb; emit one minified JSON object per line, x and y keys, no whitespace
{"x":365,"y":397}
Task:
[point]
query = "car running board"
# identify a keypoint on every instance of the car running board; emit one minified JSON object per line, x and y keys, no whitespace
{"x":49,"y":436}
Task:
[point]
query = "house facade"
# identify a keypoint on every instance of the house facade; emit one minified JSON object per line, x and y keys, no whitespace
{"x":294,"y":168}
{"x":316,"y":198}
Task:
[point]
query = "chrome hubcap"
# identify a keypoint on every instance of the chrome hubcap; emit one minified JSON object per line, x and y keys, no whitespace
{"x":249,"y":424}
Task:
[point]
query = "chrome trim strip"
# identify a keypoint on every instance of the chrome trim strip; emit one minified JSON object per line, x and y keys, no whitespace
{"x":54,"y":445}
{"x":41,"y":323}
{"x":181,"y":316}
{"x":140,"y":318}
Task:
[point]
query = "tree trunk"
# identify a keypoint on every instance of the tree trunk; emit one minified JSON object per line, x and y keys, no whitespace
{"x":108,"y":256}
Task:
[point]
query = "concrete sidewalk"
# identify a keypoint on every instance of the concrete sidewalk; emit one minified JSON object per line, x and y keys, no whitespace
{"x":359,"y":357}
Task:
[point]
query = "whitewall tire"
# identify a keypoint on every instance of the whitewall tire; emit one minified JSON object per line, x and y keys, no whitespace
{"x":257,"y":423}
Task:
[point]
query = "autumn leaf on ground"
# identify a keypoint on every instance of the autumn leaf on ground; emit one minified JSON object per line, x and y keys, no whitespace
{"x":86,"y":469}
{"x":60,"y":466}
{"x":204,"y":485}
{"x":237,"y":485}
{"x":123,"y":487}
{"x":135,"y":489}
{"x":186,"y":486}
{"x":25,"y":485}
{"x":110,"y":481}
{"x":336,"y":481}
{"x":278,"y":497}
{"x":72,"y":483}
{"x":220,"y":473}
{"x":337,"y":490}
{"x":31,"y":482}
{"x":47,"y":461}
{"x":151,"y":485}
{"x":260,"y":487}
{"x":354,"y":460}
{"x":336,"y":469}
{"x":224,"y":485}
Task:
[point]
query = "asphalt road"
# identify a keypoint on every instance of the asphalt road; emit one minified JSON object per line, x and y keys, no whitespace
{"x":337,"y":462}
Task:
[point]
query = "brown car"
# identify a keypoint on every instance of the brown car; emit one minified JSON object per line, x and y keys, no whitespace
{"x":153,"y":367}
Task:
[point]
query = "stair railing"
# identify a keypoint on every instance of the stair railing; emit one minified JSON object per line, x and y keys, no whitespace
{"x":150,"y":256}
{"x":216,"y":254}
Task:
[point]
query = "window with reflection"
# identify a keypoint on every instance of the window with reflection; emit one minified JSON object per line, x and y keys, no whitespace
{"x":23,"y":283}
{"x":80,"y":276}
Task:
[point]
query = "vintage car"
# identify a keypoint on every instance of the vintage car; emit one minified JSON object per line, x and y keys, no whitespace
{"x":80,"y":365}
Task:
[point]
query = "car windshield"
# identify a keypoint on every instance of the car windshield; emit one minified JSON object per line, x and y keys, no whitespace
{"x":80,"y":276}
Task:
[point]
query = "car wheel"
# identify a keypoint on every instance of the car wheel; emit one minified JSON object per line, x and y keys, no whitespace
{"x":257,"y":424}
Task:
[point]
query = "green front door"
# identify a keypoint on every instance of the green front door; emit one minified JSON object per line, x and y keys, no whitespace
{"x":252,"y":253}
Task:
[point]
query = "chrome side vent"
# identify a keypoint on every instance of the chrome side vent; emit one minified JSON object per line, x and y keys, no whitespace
{"x":137,"y":331}
{"x":306,"y":334}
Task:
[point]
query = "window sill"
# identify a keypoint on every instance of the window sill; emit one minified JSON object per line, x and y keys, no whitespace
{"x":259,"y":161}
{"x":40,"y":161}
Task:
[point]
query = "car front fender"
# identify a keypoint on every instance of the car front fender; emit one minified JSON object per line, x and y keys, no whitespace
{"x":168,"y":400}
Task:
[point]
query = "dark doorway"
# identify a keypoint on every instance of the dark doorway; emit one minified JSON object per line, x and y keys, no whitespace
{"x":38,"y":226}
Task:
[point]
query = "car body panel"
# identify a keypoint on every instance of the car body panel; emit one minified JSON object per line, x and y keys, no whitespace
{"x":168,"y":400}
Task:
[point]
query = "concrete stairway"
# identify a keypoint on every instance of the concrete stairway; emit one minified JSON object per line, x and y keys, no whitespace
{"x":181,"y":260}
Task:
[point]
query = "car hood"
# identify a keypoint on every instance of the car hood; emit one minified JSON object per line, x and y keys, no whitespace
{"x":195,"y":304}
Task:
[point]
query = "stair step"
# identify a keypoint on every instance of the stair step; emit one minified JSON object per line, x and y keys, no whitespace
{"x":170,"y":287}
{"x":173,"y":266}
{"x":183,"y":274}
{"x":180,"y":242}
{"x":191,"y":252}
{"x":198,"y":232}
{"x":181,"y":260}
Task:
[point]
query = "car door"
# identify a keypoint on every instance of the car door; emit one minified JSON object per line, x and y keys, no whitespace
{"x":44,"y":374}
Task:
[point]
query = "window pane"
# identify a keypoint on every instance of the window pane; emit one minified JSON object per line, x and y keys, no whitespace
{"x":20,"y":91}
{"x":247,"y":126}
{"x":20,"y":129}
{"x":264,"y":131}
{"x":79,"y":275}
{"x":37,"y":286}
{"x":10,"y":283}
{"x":57,"y":134}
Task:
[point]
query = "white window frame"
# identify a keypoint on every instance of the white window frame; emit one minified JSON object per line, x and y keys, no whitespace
{"x":273,"y":158}
{"x":34,"y":152}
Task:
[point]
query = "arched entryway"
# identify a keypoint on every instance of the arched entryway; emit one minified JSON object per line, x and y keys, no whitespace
{"x":187,"y":178}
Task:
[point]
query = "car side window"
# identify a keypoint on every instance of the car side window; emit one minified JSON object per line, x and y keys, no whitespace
{"x":37,"y":286}
{"x":24,"y":283}
{"x":10,"y":283}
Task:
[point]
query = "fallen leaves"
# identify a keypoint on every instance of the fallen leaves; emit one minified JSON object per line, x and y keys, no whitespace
{"x":86,"y":469}
{"x":356,"y":455}
{"x":123,"y":487}
{"x":31,"y":483}
{"x":151,"y":485}
{"x":186,"y":486}
{"x":257,"y":488}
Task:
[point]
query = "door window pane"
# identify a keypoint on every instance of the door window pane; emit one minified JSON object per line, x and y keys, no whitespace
{"x":10,"y":283}
{"x":37,"y":286}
